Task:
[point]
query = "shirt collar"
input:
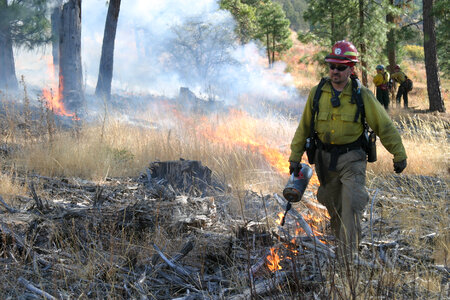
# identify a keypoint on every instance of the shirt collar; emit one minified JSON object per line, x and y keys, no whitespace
{"x":346,"y":91}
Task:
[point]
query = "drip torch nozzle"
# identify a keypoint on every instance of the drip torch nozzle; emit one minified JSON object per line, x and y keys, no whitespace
{"x":288,"y":207}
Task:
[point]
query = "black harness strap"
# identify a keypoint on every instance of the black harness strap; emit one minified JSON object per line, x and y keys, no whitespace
{"x":315,"y":109}
{"x":336,"y":150}
{"x":313,"y":134}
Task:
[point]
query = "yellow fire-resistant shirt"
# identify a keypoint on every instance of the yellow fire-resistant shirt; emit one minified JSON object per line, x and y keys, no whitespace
{"x":381,"y":78}
{"x":335,"y":125}
{"x":399,"y":76}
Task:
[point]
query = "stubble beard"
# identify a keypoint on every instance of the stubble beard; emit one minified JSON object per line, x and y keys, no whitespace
{"x":338,"y":78}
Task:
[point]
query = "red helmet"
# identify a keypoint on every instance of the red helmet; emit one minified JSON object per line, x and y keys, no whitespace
{"x":343,"y":52}
{"x":397,"y":67}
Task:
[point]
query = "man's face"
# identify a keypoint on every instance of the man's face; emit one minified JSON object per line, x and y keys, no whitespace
{"x":339,"y":73}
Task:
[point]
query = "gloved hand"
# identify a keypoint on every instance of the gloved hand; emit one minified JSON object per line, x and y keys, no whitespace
{"x":399,"y":166}
{"x":294,"y":167}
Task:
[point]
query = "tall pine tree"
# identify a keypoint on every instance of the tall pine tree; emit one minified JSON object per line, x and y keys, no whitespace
{"x":245,"y":16}
{"x":361,"y":22}
{"x":22,"y":24}
{"x":105,"y":72}
{"x":273,"y":30}
{"x":431,"y":65}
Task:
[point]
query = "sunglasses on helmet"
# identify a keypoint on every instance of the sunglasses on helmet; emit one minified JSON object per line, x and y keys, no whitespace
{"x":340,"y":68}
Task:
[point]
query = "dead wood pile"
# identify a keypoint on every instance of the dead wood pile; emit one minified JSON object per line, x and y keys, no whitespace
{"x":171,"y":233}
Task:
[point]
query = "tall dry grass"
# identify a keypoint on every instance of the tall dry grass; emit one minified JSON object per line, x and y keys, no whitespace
{"x":230,"y":144}
{"x":307,"y":73}
{"x":426,"y":145}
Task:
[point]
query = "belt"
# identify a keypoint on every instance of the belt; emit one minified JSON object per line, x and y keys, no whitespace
{"x":337,"y":150}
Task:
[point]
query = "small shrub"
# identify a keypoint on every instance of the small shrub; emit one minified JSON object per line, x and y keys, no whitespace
{"x":415,"y":52}
{"x":121,"y":155}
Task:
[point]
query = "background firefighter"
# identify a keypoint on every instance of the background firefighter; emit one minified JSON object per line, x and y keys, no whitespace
{"x":400,"y":77}
{"x":340,"y":161}
{"x":381,"y":81}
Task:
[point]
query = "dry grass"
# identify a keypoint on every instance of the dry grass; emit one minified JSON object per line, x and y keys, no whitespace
{"x":236,"y":146}
{"x":121,"y":149}
{"x":307,"y":74}
{"x":424,"y":139}
{"x":233,"y":145}
{"x":9,"y":189}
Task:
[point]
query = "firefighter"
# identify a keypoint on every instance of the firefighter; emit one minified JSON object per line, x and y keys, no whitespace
{"x":340,"y":161}
{"x":381,"y":81}
{"x":400,"y":77}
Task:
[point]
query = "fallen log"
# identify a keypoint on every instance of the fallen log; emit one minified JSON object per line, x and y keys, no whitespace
{"x":176,"y":268}
{"x":314,"y":247}
{"x":35,"y":290}
{"x":8,"y":208}
{"x":183,"y":252}
{"x":263,"y":287}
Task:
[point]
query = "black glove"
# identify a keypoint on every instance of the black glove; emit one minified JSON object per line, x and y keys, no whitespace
{"x":294,"y":167}
{"x":399,"y":166}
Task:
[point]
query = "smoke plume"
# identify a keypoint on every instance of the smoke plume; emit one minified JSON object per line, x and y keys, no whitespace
{"x":163,"y":45}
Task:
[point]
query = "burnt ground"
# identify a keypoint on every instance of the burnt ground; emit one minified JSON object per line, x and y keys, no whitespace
{"x":176,"y":232}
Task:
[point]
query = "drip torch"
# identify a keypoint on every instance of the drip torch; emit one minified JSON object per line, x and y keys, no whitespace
{"x":295,"y":187}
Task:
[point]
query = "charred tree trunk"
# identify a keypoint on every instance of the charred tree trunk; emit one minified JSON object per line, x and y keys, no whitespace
{"x":362,"y":44}
{"x":105,"y":72}
{"x":431,"y":66}
{"x":8,"y":79}
{"x":70,"y":72}
{"x":56,"y":23}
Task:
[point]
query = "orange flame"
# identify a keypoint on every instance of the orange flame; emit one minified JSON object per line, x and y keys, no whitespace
{"x":280,"y":218}
{"x":273,"y":260}
{"x":54,"y":100}
{"x":239,"y":129}
{"x":314,"y":222}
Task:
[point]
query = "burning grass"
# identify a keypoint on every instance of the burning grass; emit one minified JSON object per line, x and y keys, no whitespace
{"x":249,"y":153}
{"x":238,"y":147}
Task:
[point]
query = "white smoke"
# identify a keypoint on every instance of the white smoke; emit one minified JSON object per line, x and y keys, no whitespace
{"x":144,"y":60}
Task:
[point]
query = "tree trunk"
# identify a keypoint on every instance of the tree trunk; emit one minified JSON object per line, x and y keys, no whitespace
{"x":8,"y":79}
{"x":56,"y":23}
{"x":268,"y":50}
{"x":273,"y":48}
{"x":333,"y":25}
{"x":390,"y":47}
{"x":70,"y":79}
{"x":390,"y":43}
{"x":362,"y":44}
{"x":431,"y":66}
{"x":105,"y":72}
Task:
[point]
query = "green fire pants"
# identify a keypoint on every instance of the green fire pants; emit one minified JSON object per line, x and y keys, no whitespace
{"x":344,"y":194}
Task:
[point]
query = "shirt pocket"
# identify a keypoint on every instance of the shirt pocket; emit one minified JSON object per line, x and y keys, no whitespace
{"x":322,"y":122}
{"x":349,"y":127}
{"x":323,"y":115}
